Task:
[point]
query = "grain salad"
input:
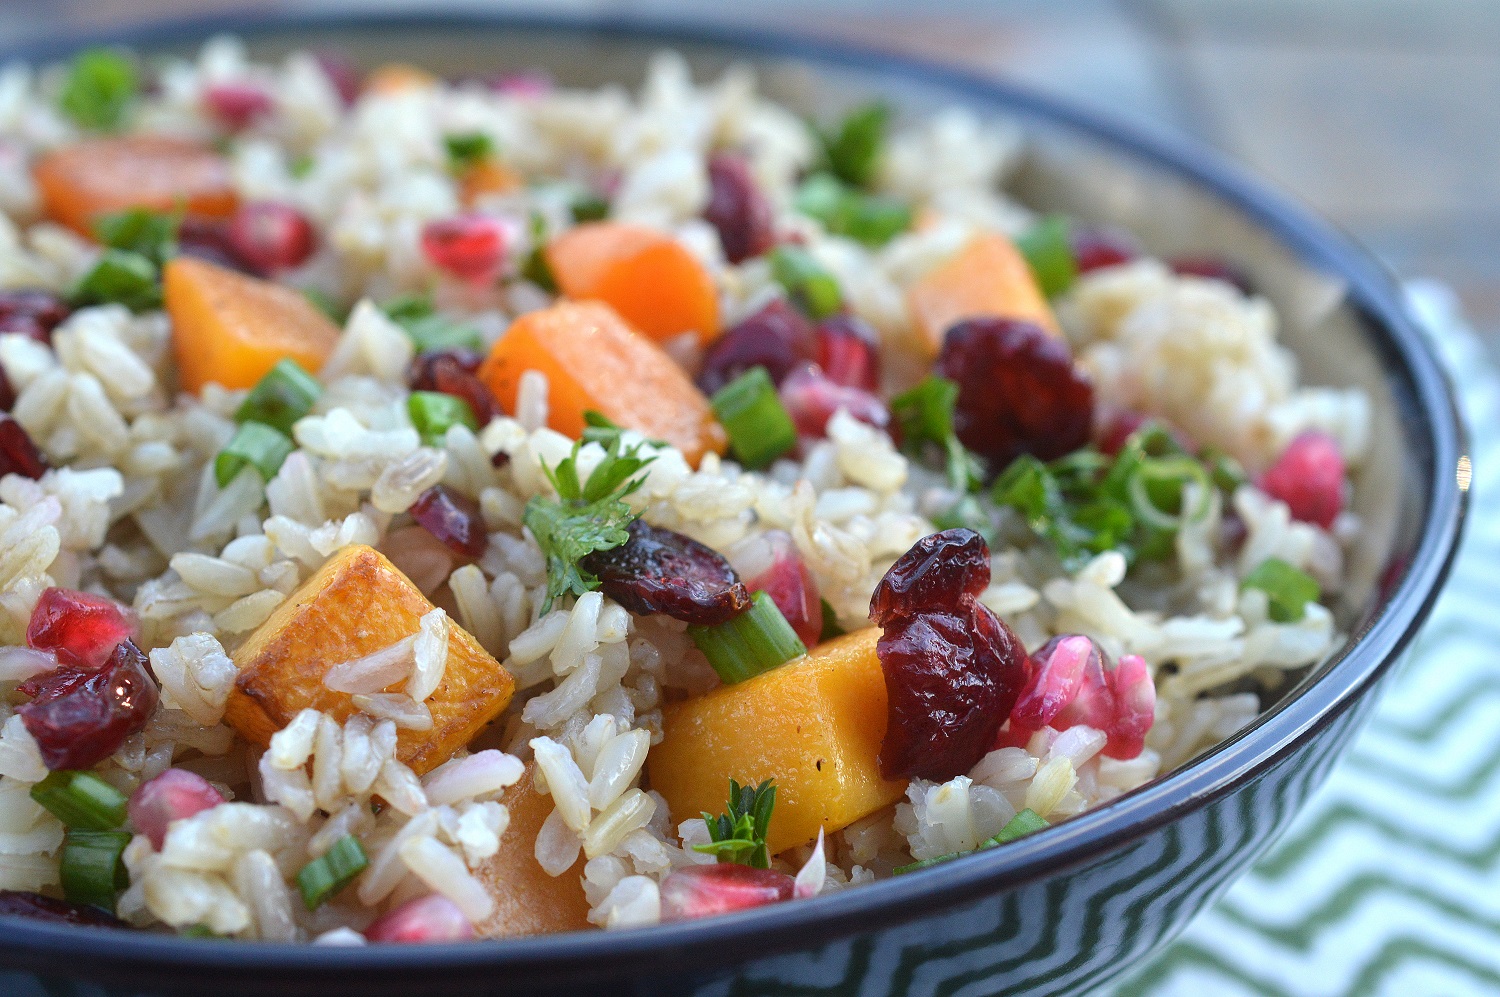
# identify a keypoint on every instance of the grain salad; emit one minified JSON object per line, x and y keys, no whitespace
{"x":446,"y":509}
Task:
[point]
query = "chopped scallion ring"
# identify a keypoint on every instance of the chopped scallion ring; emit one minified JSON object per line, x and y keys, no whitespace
{"x":758,"y":426}
{"x":91,"y":870}
{"x":1288,"y":589}
{"x":332,"y":871}
{"x":81,"y":800}
{"x":1026,"y":822}
{"x":284,"y":395}
{"x":805,"y":279}
{"x":1158,"y":482}
{"x":254,"y":444}
{"x":1049,"y":250}
{"x":756,"y":641}
{"x":432,"y":412}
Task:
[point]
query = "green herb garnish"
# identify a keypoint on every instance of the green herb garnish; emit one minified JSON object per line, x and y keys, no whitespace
{"x":466,"y":149}
{"x":90,"y":869}
{"x":1288,"y":589}
{"x":925,"y":415}
{"x":147,"y":233}
{"x":99,"y":88}
{"x":807,"y":282}
{"x":429,"y":330}
{"x":852,"y":151}
{"x":120,"y":277}
{"x":335,"y":869}
{"x":739,"y":835}
{"x":1048,"y":249}
{"x":747,"y":645}
{"x":589,"y":207}
{"x":256,"y":445}
{"x":758,"y":426}
{"x":872,"y":219}
{"x":1024,"y":823}
{"x":285,"y":394}
{"x":81,"y":800}
{"x":536,"y":268}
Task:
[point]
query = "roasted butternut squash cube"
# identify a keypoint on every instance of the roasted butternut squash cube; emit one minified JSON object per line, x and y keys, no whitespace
{"x":988,"y":277}
{"x":814,"y":725}
{"x":355,"y":605}
{"x":527,"y":900}
{"x":83,"y":180}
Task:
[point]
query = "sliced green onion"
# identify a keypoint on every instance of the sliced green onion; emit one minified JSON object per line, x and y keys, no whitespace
{"x":436,"y":333}
{"x":120,"y":277}
{"x":1226,"y":473}
{"x":759,"y":428}
{"x":91,"y":870}
{"x":332,"y":871}
{"x":467,"y":149}
{"x":1288,"y":589}
{"x":853,"y":151}
{"x":432,"y":412}
{"x":536,"y":268}
{"x":198,"y":931}
{"x":1026,"y":822}
{"x":805,"y":279}
{"x":323,"y":302}
{"x":756,"y":641}
{"x":98,"y":89}
{"x":1156,"y":492}
{"x":151,"y":234}
{"x":81,"y":800}
{"x":405,"y":307}
{"x":1049,"y":250}
{"x":589,"y":208}
{"x":257,"y":445}
{"x":301,"y":165}
{"x":284,"y":395}
{"x":831,"y":628}
{"x":869,"y":218}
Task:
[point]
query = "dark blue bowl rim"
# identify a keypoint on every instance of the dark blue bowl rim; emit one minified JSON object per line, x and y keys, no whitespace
{"x":680,"y":947}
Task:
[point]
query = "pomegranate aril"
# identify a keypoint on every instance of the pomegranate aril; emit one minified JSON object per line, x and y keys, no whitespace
{"x":1018,"y":391}
{"x":811,"y":399}
{"x":777,"y":338}
{"x":1309,"y":478}
{"x":1213,"y":269}
{"x":1134,"y":707}
{"x":1095,"y":249}
{"x":1071,"y":687}
{"x":83,"y":629}
{"x":238,"y":105}
{"x":940,"y":571}
{"x":453,"y":518}
{"x":341,"y":74}
{"x":769,"y":563}
{"x":83,"y":719}
{"x":527,"y":85}
{"x":452,"y":373}
{"x":270,"y":237}
{"x":722,"y":888}
{"x":176,"y":794}
{"x":659,"y":571}
{"x":21,"y":903}
{"x":1059,"y":670}
{"x":737,"y":209}
{"x":471,"y":247}
{"x":32,"y":313}
{"x":18,"y":454}
{"x":433,"y":918}
{"x":848,"y":352}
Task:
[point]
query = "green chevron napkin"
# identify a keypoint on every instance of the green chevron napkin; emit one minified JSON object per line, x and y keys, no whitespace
{"x":1389,"y":883}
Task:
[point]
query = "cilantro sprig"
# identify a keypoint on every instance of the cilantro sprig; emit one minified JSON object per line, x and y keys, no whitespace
{"x":587,"y":516}
{"x":739,"y":834}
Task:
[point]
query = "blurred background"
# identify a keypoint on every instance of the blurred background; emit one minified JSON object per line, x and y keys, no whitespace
{"x":1380,"y":113}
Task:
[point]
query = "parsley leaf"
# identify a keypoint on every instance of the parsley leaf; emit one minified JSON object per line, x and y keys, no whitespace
{"x":587,"y":516}
{"x":925,"y":415}
{"x":151,"y":234}
{"x":739,"y":834}
{"x":468,"y":148}
{"x":852,"y":151}
{"x":429,"y":330}
{"x":120,"y":277}
{"x":99,"y":87}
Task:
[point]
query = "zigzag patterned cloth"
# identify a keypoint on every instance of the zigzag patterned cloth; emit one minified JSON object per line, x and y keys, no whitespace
{"x":1389,"y":882}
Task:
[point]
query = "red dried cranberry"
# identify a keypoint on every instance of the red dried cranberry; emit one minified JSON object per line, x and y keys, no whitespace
{"x":738,"y":209}
{"x":77,"y":722}
{"x":777,"y":338}
{"x":32,"y":313}
{"x":940,"y":571}
{"x":811,"y":399}
{"x":20,"y":903}
{"x":848,"y":352}
{"x":705,"y":890}
{"x":769,"y":563}
{"x":176,"y":794}
{"x":82,"y":629}
{"x":208,"y":239}
{"x":341,"y":74}
{"x":452,"y":373}
{"x":237,"y":104}
{"x":1070,"y":687}
{"x":1309,"y":478}
{"x":658,"y":571}
{"x":1213,"y":269}
{"x":452,"y":518}
{"x":1018,"y":390}
{"x":1095,"y":249}
{"x":471,"y":247}
{"x":18,"y":455}
{"x":270,"y":237}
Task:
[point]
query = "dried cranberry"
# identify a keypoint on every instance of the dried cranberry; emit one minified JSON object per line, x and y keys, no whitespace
{"x":341,"y":74}
{"x":1213,"y":269}
{"x":32,"y":313}
{"x":452,"y":373}
{"x":1018,"y":390}
{"x":737,"y":208}
{"x":7,"y":393}
{"x":811,"y":399}
{"x":433,"y":918}
{"x":79,"y":721}
{"x":1070,"y":687}
{"x":20,"y":903}
{"x":658,"y":571}
{"x":237,"y":104}
{"x":270,"y":237}
{"x":18,"y":455}
{"x":777,"y":338}
{"x":1309,"y":478}
{"x":705,"y":890}
{"x":83,"y":629}
{"x":1095,"y":249}
{"x":848,"y":353}
{"x":452,"y":518}
{"x":176,"y":794}
{"x":769,"y":563}
{"x":940,"y":571}
{"x":471,"y":247}
{"x":208,"y":239}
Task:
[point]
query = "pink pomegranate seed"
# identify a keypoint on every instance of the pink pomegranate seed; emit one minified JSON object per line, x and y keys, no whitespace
{"x":769,"y":563}
{"x":848,"y":353}
{"x":745,"y":220}
{"x":777,"y":338}
{"x":811,"y":399}
{"x":32,"y":313}
{"x":1070,"y":687}
{"x":341,"y":73}
{"x":527,"y":85}
{"x":270,"y":237}
{"x":79,"y":718}
{"x":1134,"y":707}
{"x":471,"y":247}
{"x":1095,"y":249}
{"x":1309,"y":478}
{"x":176,"y":794}
{"x":433,"y":918}
{"x":705,"y":890}
{"x":83,"y":629}
{"x":18,"y":454}
{"x":237,"y":104}
{"x":452,"y":518}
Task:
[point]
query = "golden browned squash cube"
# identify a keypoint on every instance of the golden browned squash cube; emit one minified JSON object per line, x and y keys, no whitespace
{"x":356,"y":604}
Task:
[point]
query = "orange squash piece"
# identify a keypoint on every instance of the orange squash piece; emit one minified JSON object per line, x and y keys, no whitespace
{"x":488,"y":176}
{"x":394,"y":77}
{"x":230,"y":328}
{"x":355,"y":605}
{"x":647,"y":276}
{"x":527,"y":900}
{"x":814,"y":725}
{"x":594,"y":360}
{"x":81,"y":181}
{"x":989,"y":276}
